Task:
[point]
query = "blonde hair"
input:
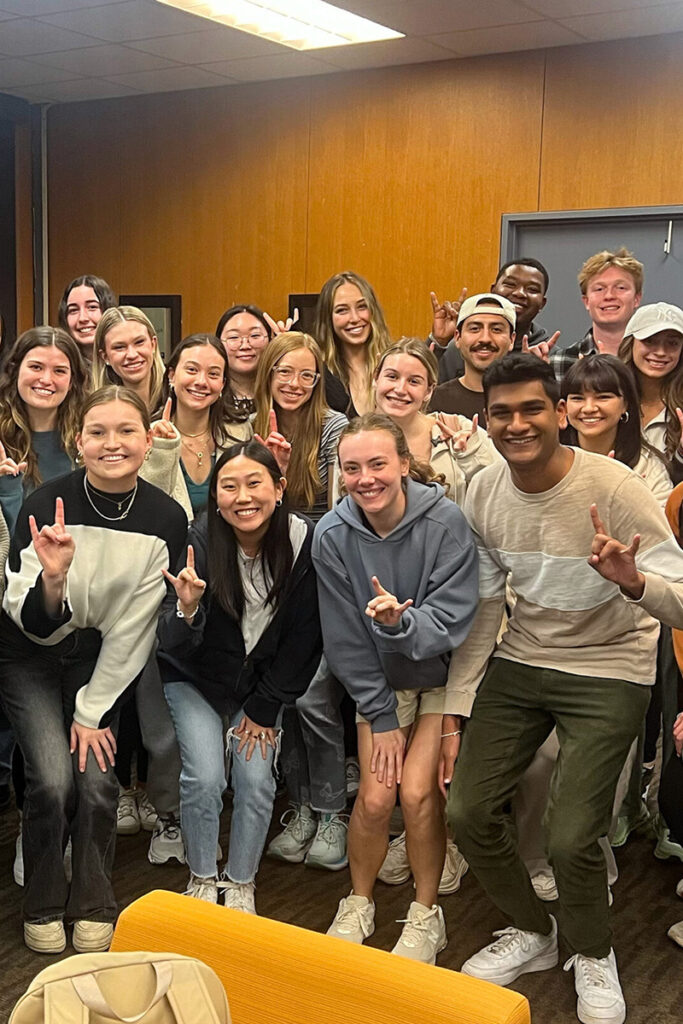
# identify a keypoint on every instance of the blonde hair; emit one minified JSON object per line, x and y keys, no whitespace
{"x":416,"y":348}
{"x":333,"y":353}
{"x":621,"y":258}
{"x":420,"y":471}
{"x":103,"y":374}
{"x":670,"y":391}
{"x":303,"y":479}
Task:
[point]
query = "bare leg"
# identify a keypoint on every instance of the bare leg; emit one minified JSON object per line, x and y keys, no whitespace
{"x":423,"y":808}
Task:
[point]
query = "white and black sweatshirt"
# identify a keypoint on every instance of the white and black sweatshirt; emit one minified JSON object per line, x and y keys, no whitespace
{"x":114,"y":585}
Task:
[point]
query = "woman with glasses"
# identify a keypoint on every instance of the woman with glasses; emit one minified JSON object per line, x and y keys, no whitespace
{"x":245,"y":332}
{"x":289,"y":385}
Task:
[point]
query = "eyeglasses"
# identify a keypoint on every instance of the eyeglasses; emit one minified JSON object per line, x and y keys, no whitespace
{"x":285,"y":375}
{"x":254,"y":337}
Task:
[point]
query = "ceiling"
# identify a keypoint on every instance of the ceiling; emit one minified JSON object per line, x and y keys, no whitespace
{"x":60,"y":51}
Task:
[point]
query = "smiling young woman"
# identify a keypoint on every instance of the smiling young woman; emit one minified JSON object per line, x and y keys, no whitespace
{"x":79,"y":616}
{"x":81,"y":306}
{"x":127,"y":353}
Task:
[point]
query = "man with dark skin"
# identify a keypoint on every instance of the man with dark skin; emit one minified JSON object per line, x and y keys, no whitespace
{"x":524,"y":281}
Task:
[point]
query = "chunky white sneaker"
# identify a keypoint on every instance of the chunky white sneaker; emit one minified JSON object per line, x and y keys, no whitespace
{"x":423,"y":935}
{"x":675,"y":933}
{"x":92,"y":936}
{"x":202,"y":889}
{"x":166,"y":842}
{"x":513,"y":953}
{"x":49,"y":937}
{"x":454,"y":868}
{"x":545,"y":885}
{"x":395,"y":869}
{"x":666,"y":847}
{"x":293,"y":843}
{"x":354,"y":920}
{"x":146,"y":813}
{"x":328,"y":849}
{"x":127,"y":817}
{"x":352,"y":775}
{"x":600,"y":999}
{"x":238,"y":896}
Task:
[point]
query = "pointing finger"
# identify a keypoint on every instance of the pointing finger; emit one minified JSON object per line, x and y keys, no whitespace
{"x":59,"y":512}
{"x":272,"y":419}
{"x":166,"y":415}
{"x":435,"y":301}
{"x":597,"y":521}
{"x":525,"y":344}
{"x":552,"y":341}
{"x":190,"y":557}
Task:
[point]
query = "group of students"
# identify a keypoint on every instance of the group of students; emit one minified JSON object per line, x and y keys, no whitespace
{"x":478,"y":595}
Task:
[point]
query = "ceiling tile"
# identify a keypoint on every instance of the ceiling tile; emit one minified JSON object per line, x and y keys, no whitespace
{"x":383,"y":54}
{"x":133,"y":19}
{"x":505,"y":39}
{"x":430,"y":17}
{"x":14,"y":73}
{"x":68,"y":92}
{"x":561,"y":9}
{"x":24,"y":36}
{"x":261,"y":69}
{"x":103,"y":61}
{"x":638,"y":22}
{"x":38,"y":8}
{"x":170,"y":79}
{"x":201,"y":47}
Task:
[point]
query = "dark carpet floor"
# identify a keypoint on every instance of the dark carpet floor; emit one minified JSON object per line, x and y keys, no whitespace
{"x":645,"y":905}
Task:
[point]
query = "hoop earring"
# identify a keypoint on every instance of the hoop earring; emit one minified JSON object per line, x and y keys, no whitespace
{"x":279,"y":502}
{"x":624,"y":418}
{"x":218,"y":511}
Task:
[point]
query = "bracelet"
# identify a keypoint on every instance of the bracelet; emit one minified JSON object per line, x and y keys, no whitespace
{"x":181,"y":614}
{"x":444,"y":735}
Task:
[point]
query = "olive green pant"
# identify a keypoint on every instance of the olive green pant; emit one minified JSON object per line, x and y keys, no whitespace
{"x":597,"y":720}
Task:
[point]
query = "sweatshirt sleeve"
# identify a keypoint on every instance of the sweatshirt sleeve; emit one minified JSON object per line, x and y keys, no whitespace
{"x":354,"y":661}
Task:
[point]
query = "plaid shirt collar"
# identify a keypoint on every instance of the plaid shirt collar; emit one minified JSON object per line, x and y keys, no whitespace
{"x":562,"y":359}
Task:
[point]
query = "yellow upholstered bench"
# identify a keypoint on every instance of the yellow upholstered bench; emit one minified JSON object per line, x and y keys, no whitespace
{"x":286,"y":975}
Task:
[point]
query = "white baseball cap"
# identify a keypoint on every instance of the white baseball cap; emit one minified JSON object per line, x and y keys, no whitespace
{"x":649,"y":320}
{"x":488,"y":302}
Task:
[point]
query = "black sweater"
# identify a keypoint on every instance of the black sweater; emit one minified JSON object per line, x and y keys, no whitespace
{"x":210,"y":653}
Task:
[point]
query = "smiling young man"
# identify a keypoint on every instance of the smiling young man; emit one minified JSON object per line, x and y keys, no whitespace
{"x":485,"y":332}
{"x":583,"y":545}
{"x":611,"y":286}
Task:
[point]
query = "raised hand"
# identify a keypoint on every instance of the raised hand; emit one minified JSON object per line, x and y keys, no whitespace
{"x":542,"y":349}
{"x":8,"y":467}
{"x":451,"y":430}
{"x":277,"y":444}
{"x":163,"y":427}
{"x":445,"y":317}
{"x":53,"y":545}
{"x":187,"y":585}
{"x":249,"y":734}
{"x":281,"y":326}
{"x":614,"y":560}
{"x":385,"y":608}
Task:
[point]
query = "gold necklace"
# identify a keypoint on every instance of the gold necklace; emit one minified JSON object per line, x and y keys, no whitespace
{"x":198,"y":454}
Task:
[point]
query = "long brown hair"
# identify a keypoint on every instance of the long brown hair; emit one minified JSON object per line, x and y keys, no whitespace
{"x":670,"y":390}
{"x":15,"y":429}
{"x":420,"y":471}
{"x":303,"y":480}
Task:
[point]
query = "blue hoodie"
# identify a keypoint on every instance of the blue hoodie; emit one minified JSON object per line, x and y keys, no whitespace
{"x":430,"y":556}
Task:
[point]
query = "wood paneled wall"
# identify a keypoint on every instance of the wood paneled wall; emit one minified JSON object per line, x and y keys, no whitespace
{"x":250,"y":192}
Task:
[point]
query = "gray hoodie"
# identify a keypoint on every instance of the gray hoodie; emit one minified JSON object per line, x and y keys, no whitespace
{"x":430,"y":557}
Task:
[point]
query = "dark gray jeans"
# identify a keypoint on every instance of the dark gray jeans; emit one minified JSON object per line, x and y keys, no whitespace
{"x":38,"y":686}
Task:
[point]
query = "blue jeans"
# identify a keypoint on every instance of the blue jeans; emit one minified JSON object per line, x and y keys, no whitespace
{"x":38,"y":685}
{"x":201,"y":735}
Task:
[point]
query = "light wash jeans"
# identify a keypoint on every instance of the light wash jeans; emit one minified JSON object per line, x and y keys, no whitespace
{"x":201,"y":733}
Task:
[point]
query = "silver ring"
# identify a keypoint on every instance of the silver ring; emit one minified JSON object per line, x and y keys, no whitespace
{"x":247,"y":733}
{"x":262,"y":736}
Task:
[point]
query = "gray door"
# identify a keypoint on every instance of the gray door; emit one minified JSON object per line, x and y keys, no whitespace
{"x":563,"y":241}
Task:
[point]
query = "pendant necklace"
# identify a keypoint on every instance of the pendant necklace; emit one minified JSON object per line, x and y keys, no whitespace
{"x":130,"y":498}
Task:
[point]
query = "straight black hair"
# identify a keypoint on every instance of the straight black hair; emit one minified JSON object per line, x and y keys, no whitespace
{"x":276,"y":554}
{"x":520,"y":368}
{"x":523,"y":261}
{"x":244,"y":307}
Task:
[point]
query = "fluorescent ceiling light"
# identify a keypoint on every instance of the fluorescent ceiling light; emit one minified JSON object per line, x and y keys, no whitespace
{"x":301,"y":24}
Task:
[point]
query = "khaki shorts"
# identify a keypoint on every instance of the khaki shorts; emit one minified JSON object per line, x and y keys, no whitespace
{"x":413,"y":703}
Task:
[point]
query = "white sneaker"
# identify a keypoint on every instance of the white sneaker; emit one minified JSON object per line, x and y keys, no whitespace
{"x":600,"y":999}
{"x":395,"y":869}
{"x":513,"y":953}
{"x":239,"y":897}
{"x":166,"y":842}
{"x":423,"y":935}
{"x":352,"y":775}
{"x":666,"y":847}
{"x":545,"y":886}
{"x":675,"y":933}
{"x":202,"y":889}
{"x":92,"y":936}
{"x":354,"y":920}
{"x":127,"y":817}
{"x":293,"y":843}
{"x":454,"y":869}
{"x":146,"y":813}
{"x":328,"y":849}
{"x":49,"y":937}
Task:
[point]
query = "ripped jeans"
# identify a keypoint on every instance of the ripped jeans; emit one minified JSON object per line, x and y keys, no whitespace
{"x":201,"y":733}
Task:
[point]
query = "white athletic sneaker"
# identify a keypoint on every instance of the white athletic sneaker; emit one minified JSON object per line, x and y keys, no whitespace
{"x":666,"y":847}
{"x":166,"y":842}
{"x":328,"y":849}
{"x":600,"y":999}
{"x":423,"y":935}
{"x":395,"y":869}
{"x":675,"y":933}
{"x":354,"y":920}
{"x":92,"y":936}
{"x":237,"y":896}
{"x":202,"y":889}
{"x":293,"y":843}
{"x":49,"y":937}
{"x":127,"y":817}
{"x":146,"y":813}
{"x":545,"y":886}
{"x":513,"y":953}
{"x":454,"y":868}
{"x":352,"y":775}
